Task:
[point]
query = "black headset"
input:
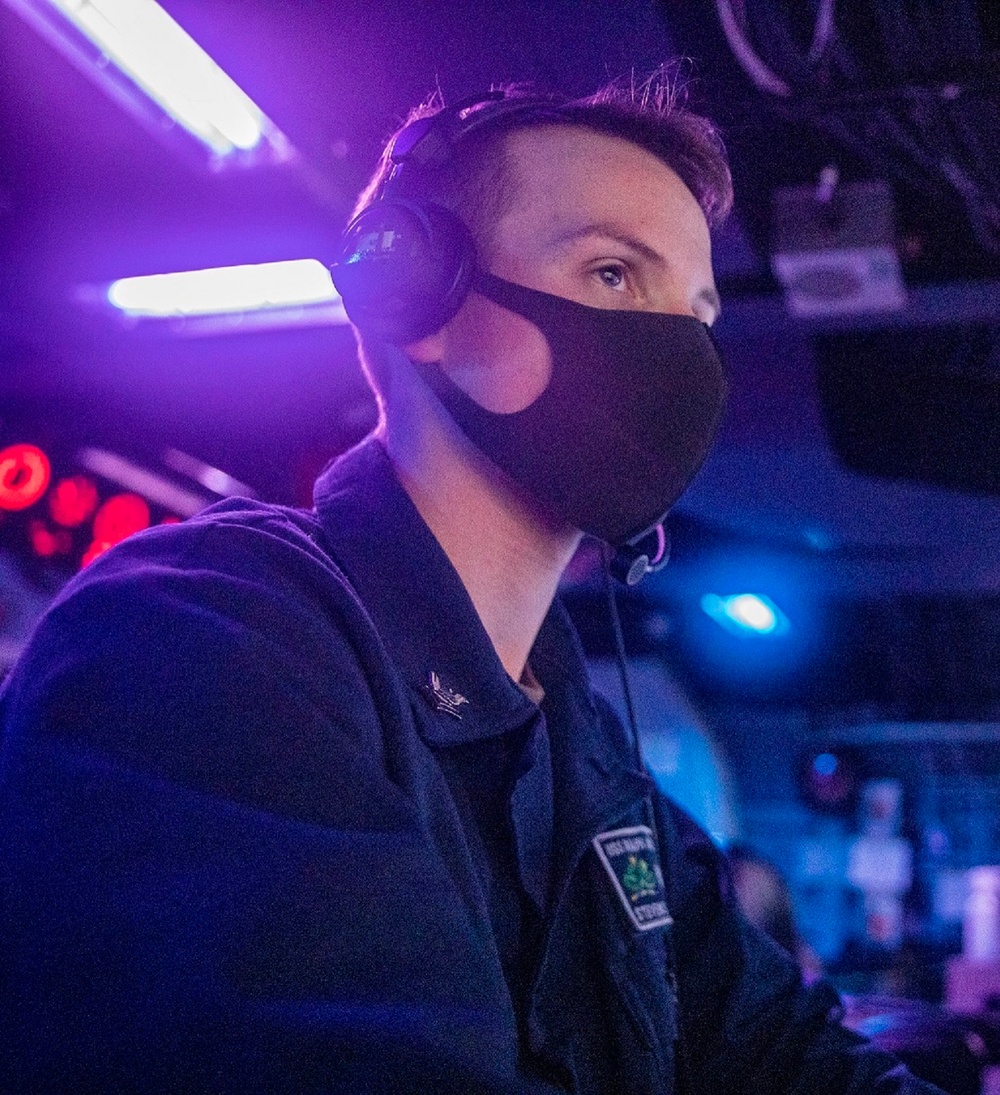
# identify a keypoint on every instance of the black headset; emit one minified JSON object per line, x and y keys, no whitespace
{"x":405,"y":267}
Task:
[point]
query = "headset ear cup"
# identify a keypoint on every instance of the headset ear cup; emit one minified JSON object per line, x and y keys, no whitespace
{"x":404,"y":269}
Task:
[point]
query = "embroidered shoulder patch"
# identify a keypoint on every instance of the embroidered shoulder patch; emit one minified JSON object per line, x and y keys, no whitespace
{"x":632,"y":862}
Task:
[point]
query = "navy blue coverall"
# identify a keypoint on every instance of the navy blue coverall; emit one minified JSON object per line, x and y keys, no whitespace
{"x":244,"y":848}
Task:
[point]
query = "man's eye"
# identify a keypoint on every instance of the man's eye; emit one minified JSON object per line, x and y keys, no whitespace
{"x":612,"y":275}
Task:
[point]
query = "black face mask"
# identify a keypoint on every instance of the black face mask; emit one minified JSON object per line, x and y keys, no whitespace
{"x":626,"y":420}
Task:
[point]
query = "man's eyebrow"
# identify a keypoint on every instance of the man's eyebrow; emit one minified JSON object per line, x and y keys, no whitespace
{"x":610,"y":231}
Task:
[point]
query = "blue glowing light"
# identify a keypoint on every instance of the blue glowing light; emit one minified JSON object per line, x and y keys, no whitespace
{"x":746,"y":613}
{"x":825,"y":765}
{"x":225,"y":290}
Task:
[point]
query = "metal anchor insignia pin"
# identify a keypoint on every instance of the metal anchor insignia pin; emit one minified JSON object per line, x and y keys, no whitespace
{"x":443,"y":699}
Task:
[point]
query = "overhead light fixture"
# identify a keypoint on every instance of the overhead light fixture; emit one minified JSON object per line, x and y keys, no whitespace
{"x":136,"y":52}
{"x":746,"y":613}
{"x":297,"y":292}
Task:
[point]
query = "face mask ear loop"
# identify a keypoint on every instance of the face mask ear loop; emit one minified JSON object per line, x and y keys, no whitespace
{"x":619,"y":638}
{"x":680,"y":1043}
{"x":662,"y":556}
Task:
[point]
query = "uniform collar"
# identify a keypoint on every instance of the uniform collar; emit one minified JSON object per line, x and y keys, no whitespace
{"x":416,"y":600}
{"x":428,"y":623}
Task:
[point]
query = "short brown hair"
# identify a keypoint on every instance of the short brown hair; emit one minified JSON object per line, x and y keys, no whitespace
{"x":476,"y":184}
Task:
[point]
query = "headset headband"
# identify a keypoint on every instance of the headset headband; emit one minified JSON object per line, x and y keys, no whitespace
{"x":432,"y":140}
{"x":406,"y":266}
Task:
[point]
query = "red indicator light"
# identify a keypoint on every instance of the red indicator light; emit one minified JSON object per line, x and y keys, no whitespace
{"x":98,"y":547}
{"x":45,"y":542}
{"x":73,"y":500}
{"x":120,"y":516}
{"x":24,"y":475}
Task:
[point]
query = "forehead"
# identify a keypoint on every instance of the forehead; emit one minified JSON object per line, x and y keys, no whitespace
{"x":561,"y":176}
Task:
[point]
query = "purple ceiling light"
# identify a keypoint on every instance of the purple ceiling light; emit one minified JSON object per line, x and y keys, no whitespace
{"x":136,"y":52}
{"x":295,"y":292}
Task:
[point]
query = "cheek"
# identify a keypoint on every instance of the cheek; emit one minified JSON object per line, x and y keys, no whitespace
{"x":497,"y":357}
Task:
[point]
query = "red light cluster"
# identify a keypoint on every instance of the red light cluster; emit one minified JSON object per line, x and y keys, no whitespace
{"x":72,"y":502}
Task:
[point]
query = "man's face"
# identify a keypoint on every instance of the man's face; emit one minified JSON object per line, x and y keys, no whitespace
{"x":595,"y":219}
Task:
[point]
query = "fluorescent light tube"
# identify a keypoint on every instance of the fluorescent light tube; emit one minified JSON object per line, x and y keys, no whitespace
{"x":143,"y":481}
{"x":160,"y":62}
{"x":225,"y":290}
